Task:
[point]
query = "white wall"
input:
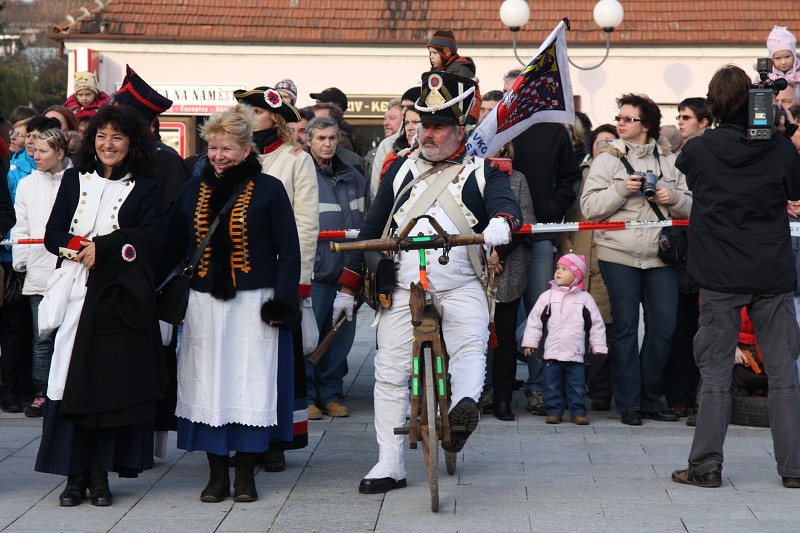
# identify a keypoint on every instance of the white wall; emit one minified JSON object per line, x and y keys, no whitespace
{"x":667,"y":75}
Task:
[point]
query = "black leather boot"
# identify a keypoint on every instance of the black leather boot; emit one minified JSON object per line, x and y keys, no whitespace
{"x":75,"y":491}
{"x":219,"y":482}
{"x":502,"y":411}
{"x":244,"y":484}
{"x":274,"y":461}
{"x":99,"y":492}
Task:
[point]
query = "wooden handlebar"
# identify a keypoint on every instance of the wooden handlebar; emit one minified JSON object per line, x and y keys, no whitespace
{"x":396,"y":244}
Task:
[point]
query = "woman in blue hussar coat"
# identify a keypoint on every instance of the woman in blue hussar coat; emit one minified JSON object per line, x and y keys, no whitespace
{"x":227,"y":369}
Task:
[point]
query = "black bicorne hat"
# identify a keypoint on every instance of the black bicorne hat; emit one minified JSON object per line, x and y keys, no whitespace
{"x":136,"y":93}
{"x":446,"y":98}
{"x":269,"y":99}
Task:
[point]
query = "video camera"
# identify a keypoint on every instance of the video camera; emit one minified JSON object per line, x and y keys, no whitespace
{"x":760,"y":111}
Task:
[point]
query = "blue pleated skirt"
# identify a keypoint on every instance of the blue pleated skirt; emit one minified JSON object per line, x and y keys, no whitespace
{"x":221,"y":440}
{"x":67,"y":448}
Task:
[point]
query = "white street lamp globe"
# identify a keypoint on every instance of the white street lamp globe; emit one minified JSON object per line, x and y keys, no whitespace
{"x":607,"y":14}
{"x":515,"y":13}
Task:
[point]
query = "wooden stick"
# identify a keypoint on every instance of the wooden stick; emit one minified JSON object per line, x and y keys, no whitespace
{"x":322,"y":347}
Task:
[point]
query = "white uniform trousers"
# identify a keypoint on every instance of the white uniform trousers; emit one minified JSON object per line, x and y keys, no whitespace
{"x":465,"y":324}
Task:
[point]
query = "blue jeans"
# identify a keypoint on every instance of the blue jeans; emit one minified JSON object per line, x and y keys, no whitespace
{"x":539,"y":274}
{"x":637,"y":375}
{"x":560,"y":375}
{"x":42,"y":349}
{"x":325,"y":380}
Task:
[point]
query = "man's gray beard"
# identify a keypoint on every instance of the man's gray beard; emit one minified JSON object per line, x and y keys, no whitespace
{"x":439,"y":153}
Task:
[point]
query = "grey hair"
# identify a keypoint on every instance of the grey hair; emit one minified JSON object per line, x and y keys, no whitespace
{"x":320,"y":123}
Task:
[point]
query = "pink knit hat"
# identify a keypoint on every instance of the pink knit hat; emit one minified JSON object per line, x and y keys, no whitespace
{"x":781,"y":39}
{"x":577,"y":265}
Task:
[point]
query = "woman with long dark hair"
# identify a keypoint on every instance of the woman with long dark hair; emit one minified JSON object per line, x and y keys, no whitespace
{"x":105,"y":374}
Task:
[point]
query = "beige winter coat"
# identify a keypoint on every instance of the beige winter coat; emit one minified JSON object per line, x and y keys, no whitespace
{"x":605,"y":198}
{"x":295,"y":169}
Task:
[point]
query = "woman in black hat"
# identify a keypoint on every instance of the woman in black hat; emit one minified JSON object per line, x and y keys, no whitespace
{"x":280,"y":157}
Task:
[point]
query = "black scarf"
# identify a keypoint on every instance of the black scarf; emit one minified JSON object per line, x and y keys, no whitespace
{"x":264,"y":138}
{"x":118,"y":172}
{"x":222,"y":187}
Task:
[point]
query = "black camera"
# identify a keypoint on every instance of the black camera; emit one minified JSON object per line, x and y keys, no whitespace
{"x":649,"y":180}
{"x":760,"y":111}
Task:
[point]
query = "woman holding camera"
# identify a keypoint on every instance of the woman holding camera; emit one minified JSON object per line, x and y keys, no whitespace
{"x":628,"y":259}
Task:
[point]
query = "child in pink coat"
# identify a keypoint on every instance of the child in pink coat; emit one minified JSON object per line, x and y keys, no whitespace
{"x":86,"y":99}
{"x":561,"y":320}
{"x":782,"y":48}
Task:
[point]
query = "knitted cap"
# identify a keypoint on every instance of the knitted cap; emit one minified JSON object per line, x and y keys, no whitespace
{"x":577,"y":265}
{"x":85,"y":81}
{"x":443,"y":39}
{"x":288,"y":87}
{"x":781,"y":39}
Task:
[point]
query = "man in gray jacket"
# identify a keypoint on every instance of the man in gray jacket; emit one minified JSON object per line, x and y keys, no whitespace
{"x":342,"y":205}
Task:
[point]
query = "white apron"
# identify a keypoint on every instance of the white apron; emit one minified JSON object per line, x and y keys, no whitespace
{"x":228,"y":363}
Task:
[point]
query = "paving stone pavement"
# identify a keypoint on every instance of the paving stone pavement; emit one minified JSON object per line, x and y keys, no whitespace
{"x":521,"y":476}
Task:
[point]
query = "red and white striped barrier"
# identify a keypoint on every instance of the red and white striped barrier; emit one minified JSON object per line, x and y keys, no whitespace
{"x":526,"y":229}
{"x":9,"y":242}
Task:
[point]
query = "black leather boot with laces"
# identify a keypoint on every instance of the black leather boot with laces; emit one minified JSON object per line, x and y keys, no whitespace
{"x":75,"y":491}
{"x":99,"y":493}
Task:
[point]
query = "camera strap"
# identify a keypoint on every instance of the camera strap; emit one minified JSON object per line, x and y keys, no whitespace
{"x":629,"y":168}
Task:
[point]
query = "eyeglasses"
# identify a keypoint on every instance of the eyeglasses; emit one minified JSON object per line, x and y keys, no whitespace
{"x":626,"y":120}
{"x":685,"y":118}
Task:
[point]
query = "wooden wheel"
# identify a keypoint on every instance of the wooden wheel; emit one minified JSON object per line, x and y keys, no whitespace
{"x":430,"y":448}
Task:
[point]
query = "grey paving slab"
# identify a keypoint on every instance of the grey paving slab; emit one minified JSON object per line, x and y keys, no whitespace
{"x":665,"y":511}
{"x":760,"y":526}
{"x":513,"y":477}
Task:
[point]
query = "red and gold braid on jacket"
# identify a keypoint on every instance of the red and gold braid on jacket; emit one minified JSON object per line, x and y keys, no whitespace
{"x":237,"y":229}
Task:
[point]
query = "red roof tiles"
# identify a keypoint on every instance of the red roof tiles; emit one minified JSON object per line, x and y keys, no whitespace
{"x":387,"y":22}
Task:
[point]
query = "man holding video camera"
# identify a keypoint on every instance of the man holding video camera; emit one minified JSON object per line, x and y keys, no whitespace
{"x":740,"y":256}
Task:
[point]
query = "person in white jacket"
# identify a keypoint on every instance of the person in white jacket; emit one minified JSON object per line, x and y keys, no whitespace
{"x":633,"y":273}
{"x":280,"y":157}
{"x":33,"y":203}
{"x":560,"y":321}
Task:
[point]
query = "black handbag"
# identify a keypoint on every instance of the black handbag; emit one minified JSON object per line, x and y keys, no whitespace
{"x":672,"y":244}
{"x":12,"y":290}
{"x":379,"y":279}
{"x":172,"y":296}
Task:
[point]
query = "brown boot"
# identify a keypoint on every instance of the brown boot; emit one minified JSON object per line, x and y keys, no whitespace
{"x":244,"y":484}
{"x":219,"y":482}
